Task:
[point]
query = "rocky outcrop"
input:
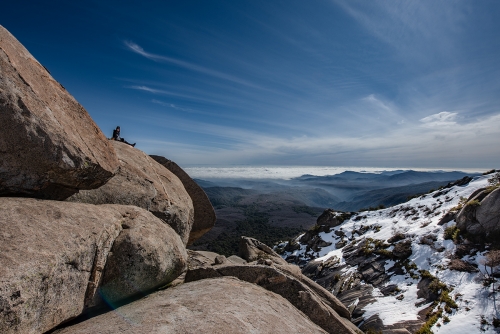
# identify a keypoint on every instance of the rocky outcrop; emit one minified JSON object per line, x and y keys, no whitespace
{"x":222,"y":305}
{"x":56,"y":258}
{"x":479,"y":217}
{"x":286,"y":280}
{"x":327,"y":220}
{"x":252,"y":249}
{"x":332,"y":218}
{"x":402,"y":250}
{"x":143,"y":182}
{"x":50,"y":146}
{"x":204,"y":214}
{"x":61,"y":260}
{"x":199,"y":259}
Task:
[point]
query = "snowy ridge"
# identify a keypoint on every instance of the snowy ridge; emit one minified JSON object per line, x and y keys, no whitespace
{"x":418,"y":221}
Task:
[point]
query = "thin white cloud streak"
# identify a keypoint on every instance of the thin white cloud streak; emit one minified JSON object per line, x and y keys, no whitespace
{"x":170,"y":93}
{"x":441,"y":119}
{"x":237,"y":104}
{"x":459,"y":145}
{"x":184,"y":64}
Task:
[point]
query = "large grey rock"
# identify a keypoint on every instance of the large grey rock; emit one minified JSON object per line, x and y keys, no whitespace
{"x":49,"y":145}
{"x":488,"y":213}
{"x":146,"y":255}
{"x":332,"y":218}
{"x":480,"y":217}
{"x":57,"y":257}
{"x":204,"y":213}
{"x":143,"y":182}
{"x":318,"y":304}
{"x":223,"y":306}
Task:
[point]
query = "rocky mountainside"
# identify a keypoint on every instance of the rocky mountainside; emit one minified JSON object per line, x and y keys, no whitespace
{"x":93,"y":233}
{"x":427,"y":265}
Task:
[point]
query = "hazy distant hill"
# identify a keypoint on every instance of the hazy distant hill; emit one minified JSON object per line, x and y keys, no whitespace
{"x":273,"y":210}
{"x":387,"y":196}
{"x":354,"y":186}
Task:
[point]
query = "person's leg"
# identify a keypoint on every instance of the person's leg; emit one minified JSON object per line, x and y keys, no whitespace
{"x":126,"y":142}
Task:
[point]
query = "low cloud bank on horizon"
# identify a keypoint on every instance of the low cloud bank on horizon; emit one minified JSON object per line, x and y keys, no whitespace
{"x":290,"y":172}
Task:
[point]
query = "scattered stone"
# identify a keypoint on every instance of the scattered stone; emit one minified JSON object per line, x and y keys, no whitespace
{"x":356,"y":299}
{"x":220,"y":259}
{"x":331,"y":218}
{"x":373,"y":272}
{"x":252,"y":249}
{"x":341,"y":244}
{"x":428,"y":239}
{"x":402,"y":250}
{"x":236,"y":259}
{"x":425,"y":291}
{"x":389,"y":290}
{"x":461,"y":265}
{"x":313,"y":241}
{"x":447,"y":217}
{"x":396,"y":237}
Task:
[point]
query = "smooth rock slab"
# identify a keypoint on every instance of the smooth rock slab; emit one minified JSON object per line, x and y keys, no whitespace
{"x":49,"y":145}
{"x":223,"y":306}
{"x":204,"y":213}
{"x":314,"y":301}
{"x":55,"y":258}
{"x":143,"y":182}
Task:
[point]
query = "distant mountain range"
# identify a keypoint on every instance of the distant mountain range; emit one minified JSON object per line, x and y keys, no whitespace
{"x":274,"y":210}
{"x":347,"y":191}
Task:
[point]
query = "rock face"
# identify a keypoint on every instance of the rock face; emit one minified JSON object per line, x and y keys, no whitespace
{"x":204,"y":214}
{"x":223,"y":305}
{"x":50,"y":146}
{"x":480,"y":216}
{"x":318,"y":304}
{"x":56,"y":257}
{"x":143,"y":182}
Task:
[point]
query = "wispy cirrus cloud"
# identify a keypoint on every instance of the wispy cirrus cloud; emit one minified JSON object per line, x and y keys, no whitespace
{"x":444,"y":118}
{"x":187,"y":65}
{"x":412,"y":145}
{"x":416,"y":28}
{"x":172,"y":93}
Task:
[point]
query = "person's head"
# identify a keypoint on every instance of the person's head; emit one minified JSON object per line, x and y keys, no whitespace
{"x":117,"y":128}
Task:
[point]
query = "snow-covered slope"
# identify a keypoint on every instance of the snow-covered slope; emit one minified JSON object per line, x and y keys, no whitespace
{"x":402,"y":286}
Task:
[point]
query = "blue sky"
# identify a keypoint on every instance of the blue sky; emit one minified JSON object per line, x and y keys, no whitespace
{"x":338,"y":83}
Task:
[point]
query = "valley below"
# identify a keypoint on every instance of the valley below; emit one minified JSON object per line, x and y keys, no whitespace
{"x":273,"y":210}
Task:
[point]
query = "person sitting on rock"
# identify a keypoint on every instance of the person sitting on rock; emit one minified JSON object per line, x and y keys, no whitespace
{"x":116,"y":136}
